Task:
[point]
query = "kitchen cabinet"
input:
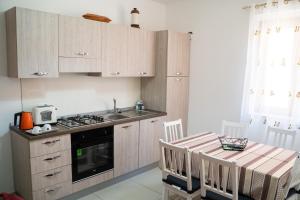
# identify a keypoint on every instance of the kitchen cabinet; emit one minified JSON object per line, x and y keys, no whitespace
{"x":151,"y":130}
{"x":177,"y":98}
{"x":79,"y":45}
{"x":32,"y":43}
{"x":168,"y":91}
{"x":178,"y":54}
{"x":114,"y":50}
{"x":126,"y":148}
{"x":141,"y":53}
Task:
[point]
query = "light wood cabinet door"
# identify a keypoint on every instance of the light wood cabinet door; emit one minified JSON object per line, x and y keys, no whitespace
{"x":32,"y":43}
{"x":178,"y":100}
{"x":151,"y":131}
{"x":126,"y":146}
{"x":114,"y":50}
{"x":78,"y":37}
{"x":178,"y":54}
{"x":141,"y":53}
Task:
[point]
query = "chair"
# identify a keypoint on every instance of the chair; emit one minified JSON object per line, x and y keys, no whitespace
{"x":214,"y":175}
{"x":280,"y":137}
{"x":234,"y":129}
{"x":176,"y":169}
{"x":173,"y":130}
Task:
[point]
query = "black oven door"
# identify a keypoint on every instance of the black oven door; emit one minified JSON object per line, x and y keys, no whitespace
{"x":92,"y":153}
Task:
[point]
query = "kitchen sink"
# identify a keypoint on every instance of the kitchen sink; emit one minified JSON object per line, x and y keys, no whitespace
{"x":116,"y":117}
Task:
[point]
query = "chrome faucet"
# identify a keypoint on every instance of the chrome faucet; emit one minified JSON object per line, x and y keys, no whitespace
{"x":115,"y":105}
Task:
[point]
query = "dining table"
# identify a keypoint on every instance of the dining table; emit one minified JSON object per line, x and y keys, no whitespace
{"x":264,"y":170}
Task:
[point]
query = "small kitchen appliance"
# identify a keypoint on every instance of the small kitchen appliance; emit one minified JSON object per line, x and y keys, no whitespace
{"x":45,"y":114}
{"x":25,"y":120}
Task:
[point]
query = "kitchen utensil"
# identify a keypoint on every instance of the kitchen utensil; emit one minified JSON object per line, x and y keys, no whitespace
{"x":36,"y":130}
{"x":45,"y":114}
{"x":25,"y":120}
{"x":47,"y":127}
{"x":98,"y":18}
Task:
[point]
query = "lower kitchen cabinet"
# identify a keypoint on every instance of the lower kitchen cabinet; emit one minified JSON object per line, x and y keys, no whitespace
{"x":151,"y":131}
{"x":126,"y":147}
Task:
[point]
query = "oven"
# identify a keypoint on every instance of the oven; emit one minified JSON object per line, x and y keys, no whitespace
{"x":92,"y":152}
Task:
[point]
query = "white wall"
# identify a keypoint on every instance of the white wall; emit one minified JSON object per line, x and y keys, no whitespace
{"x":218,"y":58}
{"x":70,"y":93}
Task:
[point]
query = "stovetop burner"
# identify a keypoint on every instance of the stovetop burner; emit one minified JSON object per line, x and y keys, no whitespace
{"x":80,"y":120}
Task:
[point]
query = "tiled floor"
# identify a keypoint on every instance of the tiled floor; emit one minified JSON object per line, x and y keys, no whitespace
{"x":145,"y":186}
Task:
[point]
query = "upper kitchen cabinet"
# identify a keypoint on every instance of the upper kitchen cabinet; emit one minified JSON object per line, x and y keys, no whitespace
{"x":141,"y":53}
{"x":32,"y":43}
{"x":79,"y":45}
{"x":178,"y":59}
{"x":114,"y":50}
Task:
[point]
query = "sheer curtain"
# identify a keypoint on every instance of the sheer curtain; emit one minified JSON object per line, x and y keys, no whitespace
{"x":272,"y":81}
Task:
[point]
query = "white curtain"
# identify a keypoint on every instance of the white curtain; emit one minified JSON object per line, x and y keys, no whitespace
{"x":272,"y":82}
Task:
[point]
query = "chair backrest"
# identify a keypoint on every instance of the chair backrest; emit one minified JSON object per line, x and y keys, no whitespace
{"x":214,"y":175}
{"x":176,"y":161}
{"x":173,"y":130}
{"x":234,"y":129}
{"x":279,"y":137}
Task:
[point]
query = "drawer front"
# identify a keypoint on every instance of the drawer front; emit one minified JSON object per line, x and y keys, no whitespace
{"x":80,"y":185}
{"x":50,"y":161}
{"x":54,"y":192}
{"x":49,"y":145}
{"x":52,"y":177}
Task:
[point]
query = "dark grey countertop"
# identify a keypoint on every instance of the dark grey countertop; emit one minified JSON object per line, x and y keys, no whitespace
{"x":61,"y":130}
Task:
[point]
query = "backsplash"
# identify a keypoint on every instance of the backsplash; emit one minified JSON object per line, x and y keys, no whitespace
{"x":77,"y":93}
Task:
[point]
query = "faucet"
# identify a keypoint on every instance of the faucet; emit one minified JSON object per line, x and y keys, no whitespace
{"x":115,"y":105}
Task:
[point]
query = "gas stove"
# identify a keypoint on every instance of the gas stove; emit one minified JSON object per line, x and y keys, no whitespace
{"x":80,"y":120}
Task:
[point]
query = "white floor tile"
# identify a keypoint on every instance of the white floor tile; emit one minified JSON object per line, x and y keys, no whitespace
{"x":127,"y":190}
{"x":90,"y":197}
{"x":150,"y":179}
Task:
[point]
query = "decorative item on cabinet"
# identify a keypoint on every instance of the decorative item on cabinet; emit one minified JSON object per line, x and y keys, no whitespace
{"x":95,"y":17}
{"x":134,"y":18}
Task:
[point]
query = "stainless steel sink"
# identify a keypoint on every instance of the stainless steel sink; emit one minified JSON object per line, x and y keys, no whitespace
{"x":116,"y":117}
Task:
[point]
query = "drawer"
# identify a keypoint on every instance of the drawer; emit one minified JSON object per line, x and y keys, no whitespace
{"x":88,"y":182}
{"x":81,"y":65}
{"x":54,"y":192}
{"x":51,"y":161}
{"x":50,"y":145}
{"x":52,"y":177}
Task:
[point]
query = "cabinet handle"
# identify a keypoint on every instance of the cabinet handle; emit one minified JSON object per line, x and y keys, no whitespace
{"x":153,"y":121}
{"x":115,"y":73}
{"x":85,"y":53}
{"x":40,"y":73}
{"x":53,"y":174}
{"x":51,"y":142}
{"x":178,"y":73}
{"x":127,"y":126}
{"x":118,"y":73}
{"x":178,"y":79}
{"x":51,"y":158}
{"x":144,"y":73}
{"x":53,"y":190}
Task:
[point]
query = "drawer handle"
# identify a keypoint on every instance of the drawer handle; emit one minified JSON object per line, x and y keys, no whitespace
{"x":53,"y":174}
{"x":178,"y":73}
{"x":178,"y":79}
{"x":144,"y":73}
{"x":51,"y":142}
{"x":53,"y":190}
{"x":40,"y":73}
{"x":53,"y":158}
{"x":153,"y":121}
{"x":127,"y":126}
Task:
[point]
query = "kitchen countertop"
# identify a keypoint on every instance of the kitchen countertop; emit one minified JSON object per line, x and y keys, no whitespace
{"x":61,"y":130}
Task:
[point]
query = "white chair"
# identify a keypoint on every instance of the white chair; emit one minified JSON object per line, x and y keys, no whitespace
{"x":173,"y":130}
{"x":214,"y":175}
{"x":176,"y":169}
{"x":279,"y":137}
{"x":234,"y":129}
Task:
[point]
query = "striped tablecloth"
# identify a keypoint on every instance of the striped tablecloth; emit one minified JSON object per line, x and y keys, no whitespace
{"x":264,"y":170}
